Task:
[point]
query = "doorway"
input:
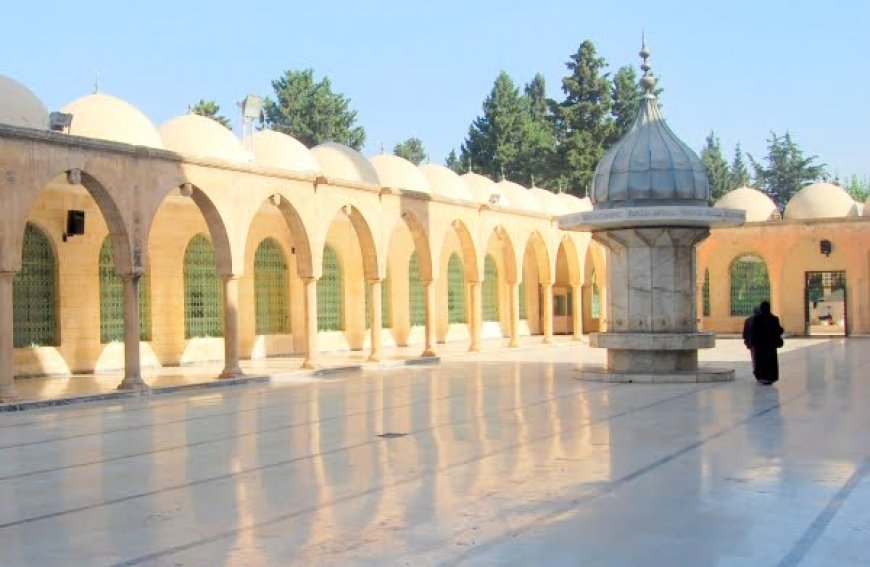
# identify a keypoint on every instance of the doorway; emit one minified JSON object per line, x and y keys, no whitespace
{"x":825,"y":303}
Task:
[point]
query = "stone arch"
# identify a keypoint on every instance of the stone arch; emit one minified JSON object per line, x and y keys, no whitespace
{"x":421,"y":244}
{"x":568,"y":250}
{"x":299,"y":233}
{"x":505,"y":245}
{"x":470,"y":262}
{"x":46,"y":325}
{"x":748,"y":283}
{"x":363,"y":231}
{"x":542,"y":258}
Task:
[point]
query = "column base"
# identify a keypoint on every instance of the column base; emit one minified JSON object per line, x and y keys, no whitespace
{"x":230,"y":373}
{"x":513,"y":343}
{"x":9,"y":395}
{"x":548,"y":339}
{"x":429,"y":353}
{"x":309,"y":365}
{"x":132,"y":383}
{"x":374,"y":357}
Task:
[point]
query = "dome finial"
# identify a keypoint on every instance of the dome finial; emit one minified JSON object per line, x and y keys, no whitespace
{"x":648,"y":81}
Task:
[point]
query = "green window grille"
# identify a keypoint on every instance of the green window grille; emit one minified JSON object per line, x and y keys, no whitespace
{"x":490,"y":289}
{"x":416,"y":295}
{"x":595,"y":303}
{"x":705,"y":293}
{"x":522,"y":293}
{"x":270,"y":289}
{"x":386,"y":310}
{"x":34,"y":293}
{"x":456,"y":290}
{"x":330,"y":304}
{"x":203,"y":302}
{"x":112,"y":299}
{"x":749,"y":284}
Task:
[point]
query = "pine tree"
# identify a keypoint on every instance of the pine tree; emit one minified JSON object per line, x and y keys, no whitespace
{"x":739,"y":171}
{"x":454,"y":163}
{"x":786,"y":169}
{"x":718,"y":173}
{"x":412,"y":150}
{"x":538,"y":143}
{"x":625,"y":93}
{"x":211,"y":109}
{"x":311,"y":112}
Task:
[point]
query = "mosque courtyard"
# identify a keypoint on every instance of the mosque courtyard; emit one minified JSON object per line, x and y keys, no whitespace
{"x":495,"y":458}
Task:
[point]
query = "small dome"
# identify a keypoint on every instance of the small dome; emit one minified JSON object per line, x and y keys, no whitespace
{"x":571,"y":204}
{"x":195,"y":135}
{"x":820,"y":201}
{"x":867,"y":207}
{"x":398,"y":173}
{"x":445,"y":182}
{"x":549,"y":201}
{"x":274,"y":149}
{"x":519,"y":197}
{"x":483,"y":188}
{"x":757,"y":205}
{"x":108,"y":118}
{"x":20,"y":107}
{"x":338,"y":161}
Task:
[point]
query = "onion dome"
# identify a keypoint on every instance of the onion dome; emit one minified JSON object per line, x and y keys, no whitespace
{"x":20,"y":107}
{"x":445,"y":182}
{"x":280,"y":151}
{"x":820,"y":201}
{"x":649,"y":166}
{"x":108,"y":118}
{"x":339,"y":162}
{"x":758,"y":206}
{"x":195,"y":135}
{"x":518,"y":197}
{"x":395,"y":172}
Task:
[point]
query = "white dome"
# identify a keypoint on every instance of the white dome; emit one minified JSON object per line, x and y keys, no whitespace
{"x":820,"y":201}
{"x":19,"y":106}
{"x":274,"y":149}
{"x":549,"y":202}
{"x":398,"y":173}
{"x":483,"y":188}
{"x":757,"y":205}
{"x":338,"y":161}
{"x":195,"y":135}
{"x":445,"y":182}
{"x":572,"y":204}
{"x":518,"y":196}
{"x":108,"y":118}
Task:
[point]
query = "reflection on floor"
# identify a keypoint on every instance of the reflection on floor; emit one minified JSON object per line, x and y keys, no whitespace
{"x":496,"y":458}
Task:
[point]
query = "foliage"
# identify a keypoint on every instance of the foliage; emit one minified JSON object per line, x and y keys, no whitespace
{"x":786,"y":169}
{"x":211,"y":109}
{"x":625,"y":93}
{"x":311,"y":112}
{"x":739,"y":171}
{"x":718,"y":173}
{"x":452,"y":162}
{"x":858,"y":188}
{"x":412,"y":150}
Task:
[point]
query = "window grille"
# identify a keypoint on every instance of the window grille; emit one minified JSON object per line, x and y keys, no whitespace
{"x":270,"y":289}
{"x":34,"y":293}
{"x":705,"y":293}
{"x":203,"y":302}
{"x":330,"y":304}
{"x":490,"y":289}
{"x":595,"y":307}
{"x":456,"y":290}
{"x":386,"y":308}
{"x":416,"y":295}
{"x":522,"y":293}
{"x":749,"y":284}
{"x":112,"y":299}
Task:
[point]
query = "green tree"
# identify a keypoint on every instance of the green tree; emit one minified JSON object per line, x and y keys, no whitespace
{"x":453,"y":163}
{"x":739,"y":171}
{"x":625,"y":93}
{"x":412,"y":150}
{"x":858,"y":188}
{"x":786,"y":169}
{"x":718,"y":172}
{"x":310,"y":112}
{"x":211,"y":109}
{"x":538,"y":142}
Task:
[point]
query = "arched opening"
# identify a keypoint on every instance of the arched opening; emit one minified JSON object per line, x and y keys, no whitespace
{"x":490,"y":290}
{"x":203,"y":303}
{"x":330,"y":293}
{"x":750,"y":284}
{"x":458,"y":267}
{"x":35,"y":293}
{"x":594,"y":287}
{"x":112,"y":299}
{"x":499,"y":269}
{"x":409,"y":266}
{"x":456,"y":302}
{"x":272,"y":315}
{"x":416,"y":294}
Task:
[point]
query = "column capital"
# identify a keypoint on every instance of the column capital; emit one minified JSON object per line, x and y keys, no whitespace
{"x":8,"y":273}
{"x":229,"y":277}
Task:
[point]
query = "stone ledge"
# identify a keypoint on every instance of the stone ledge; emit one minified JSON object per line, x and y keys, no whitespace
{"x":662,"y":215}
{"x":702,"y":375}
{"x":652,"y":341}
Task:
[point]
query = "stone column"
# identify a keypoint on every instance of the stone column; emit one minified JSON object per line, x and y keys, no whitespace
{"x":547,"y":311}
{"x":475,"y":318}
{"x":514,"y":313}
{"x":231,"y":327}
{"x":132,"y":364}
{"x":310,"y":285}
{"x":431,"y":319}
{"x":577,"y":311}
{"x":375,"y":317}
{"x":7,"y":367}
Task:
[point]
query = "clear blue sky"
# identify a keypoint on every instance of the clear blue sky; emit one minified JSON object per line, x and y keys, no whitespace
{"x":423,"y":69}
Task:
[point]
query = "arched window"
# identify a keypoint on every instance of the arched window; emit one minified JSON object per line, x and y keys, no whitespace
{"x":705,"y":293}
{"x":330,"y":304}
{"x":490,"y":289}
{"x":749,"y":284}
{"x":34,"y":293}
{"x":595,"y":307}
{"x":416,"y":306}
{"x":203,"y":304}
{"x":270,"y":289}
{"x":455,"y":290}
{"x":112,"y":299}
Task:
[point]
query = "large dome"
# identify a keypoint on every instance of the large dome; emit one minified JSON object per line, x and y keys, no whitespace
{"x":108,"y":118}
{"x":650,"y":165}
{"x":758,"y":206}
{"x":195,"y":135}
{"x":340,"y":162}
{"x":820,"y":201}
{"x":445,"y":182}
{"x":398,"y":173}
{"x":280,"y":151}
{"x":518,"y":197}
{"x":19,"y":106}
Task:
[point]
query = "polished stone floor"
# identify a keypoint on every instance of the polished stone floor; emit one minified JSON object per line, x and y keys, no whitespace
{"x":502,"y":458}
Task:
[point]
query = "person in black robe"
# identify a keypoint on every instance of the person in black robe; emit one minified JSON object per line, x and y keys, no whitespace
{"x":747,"y":323}
{"x":765,"y":336}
